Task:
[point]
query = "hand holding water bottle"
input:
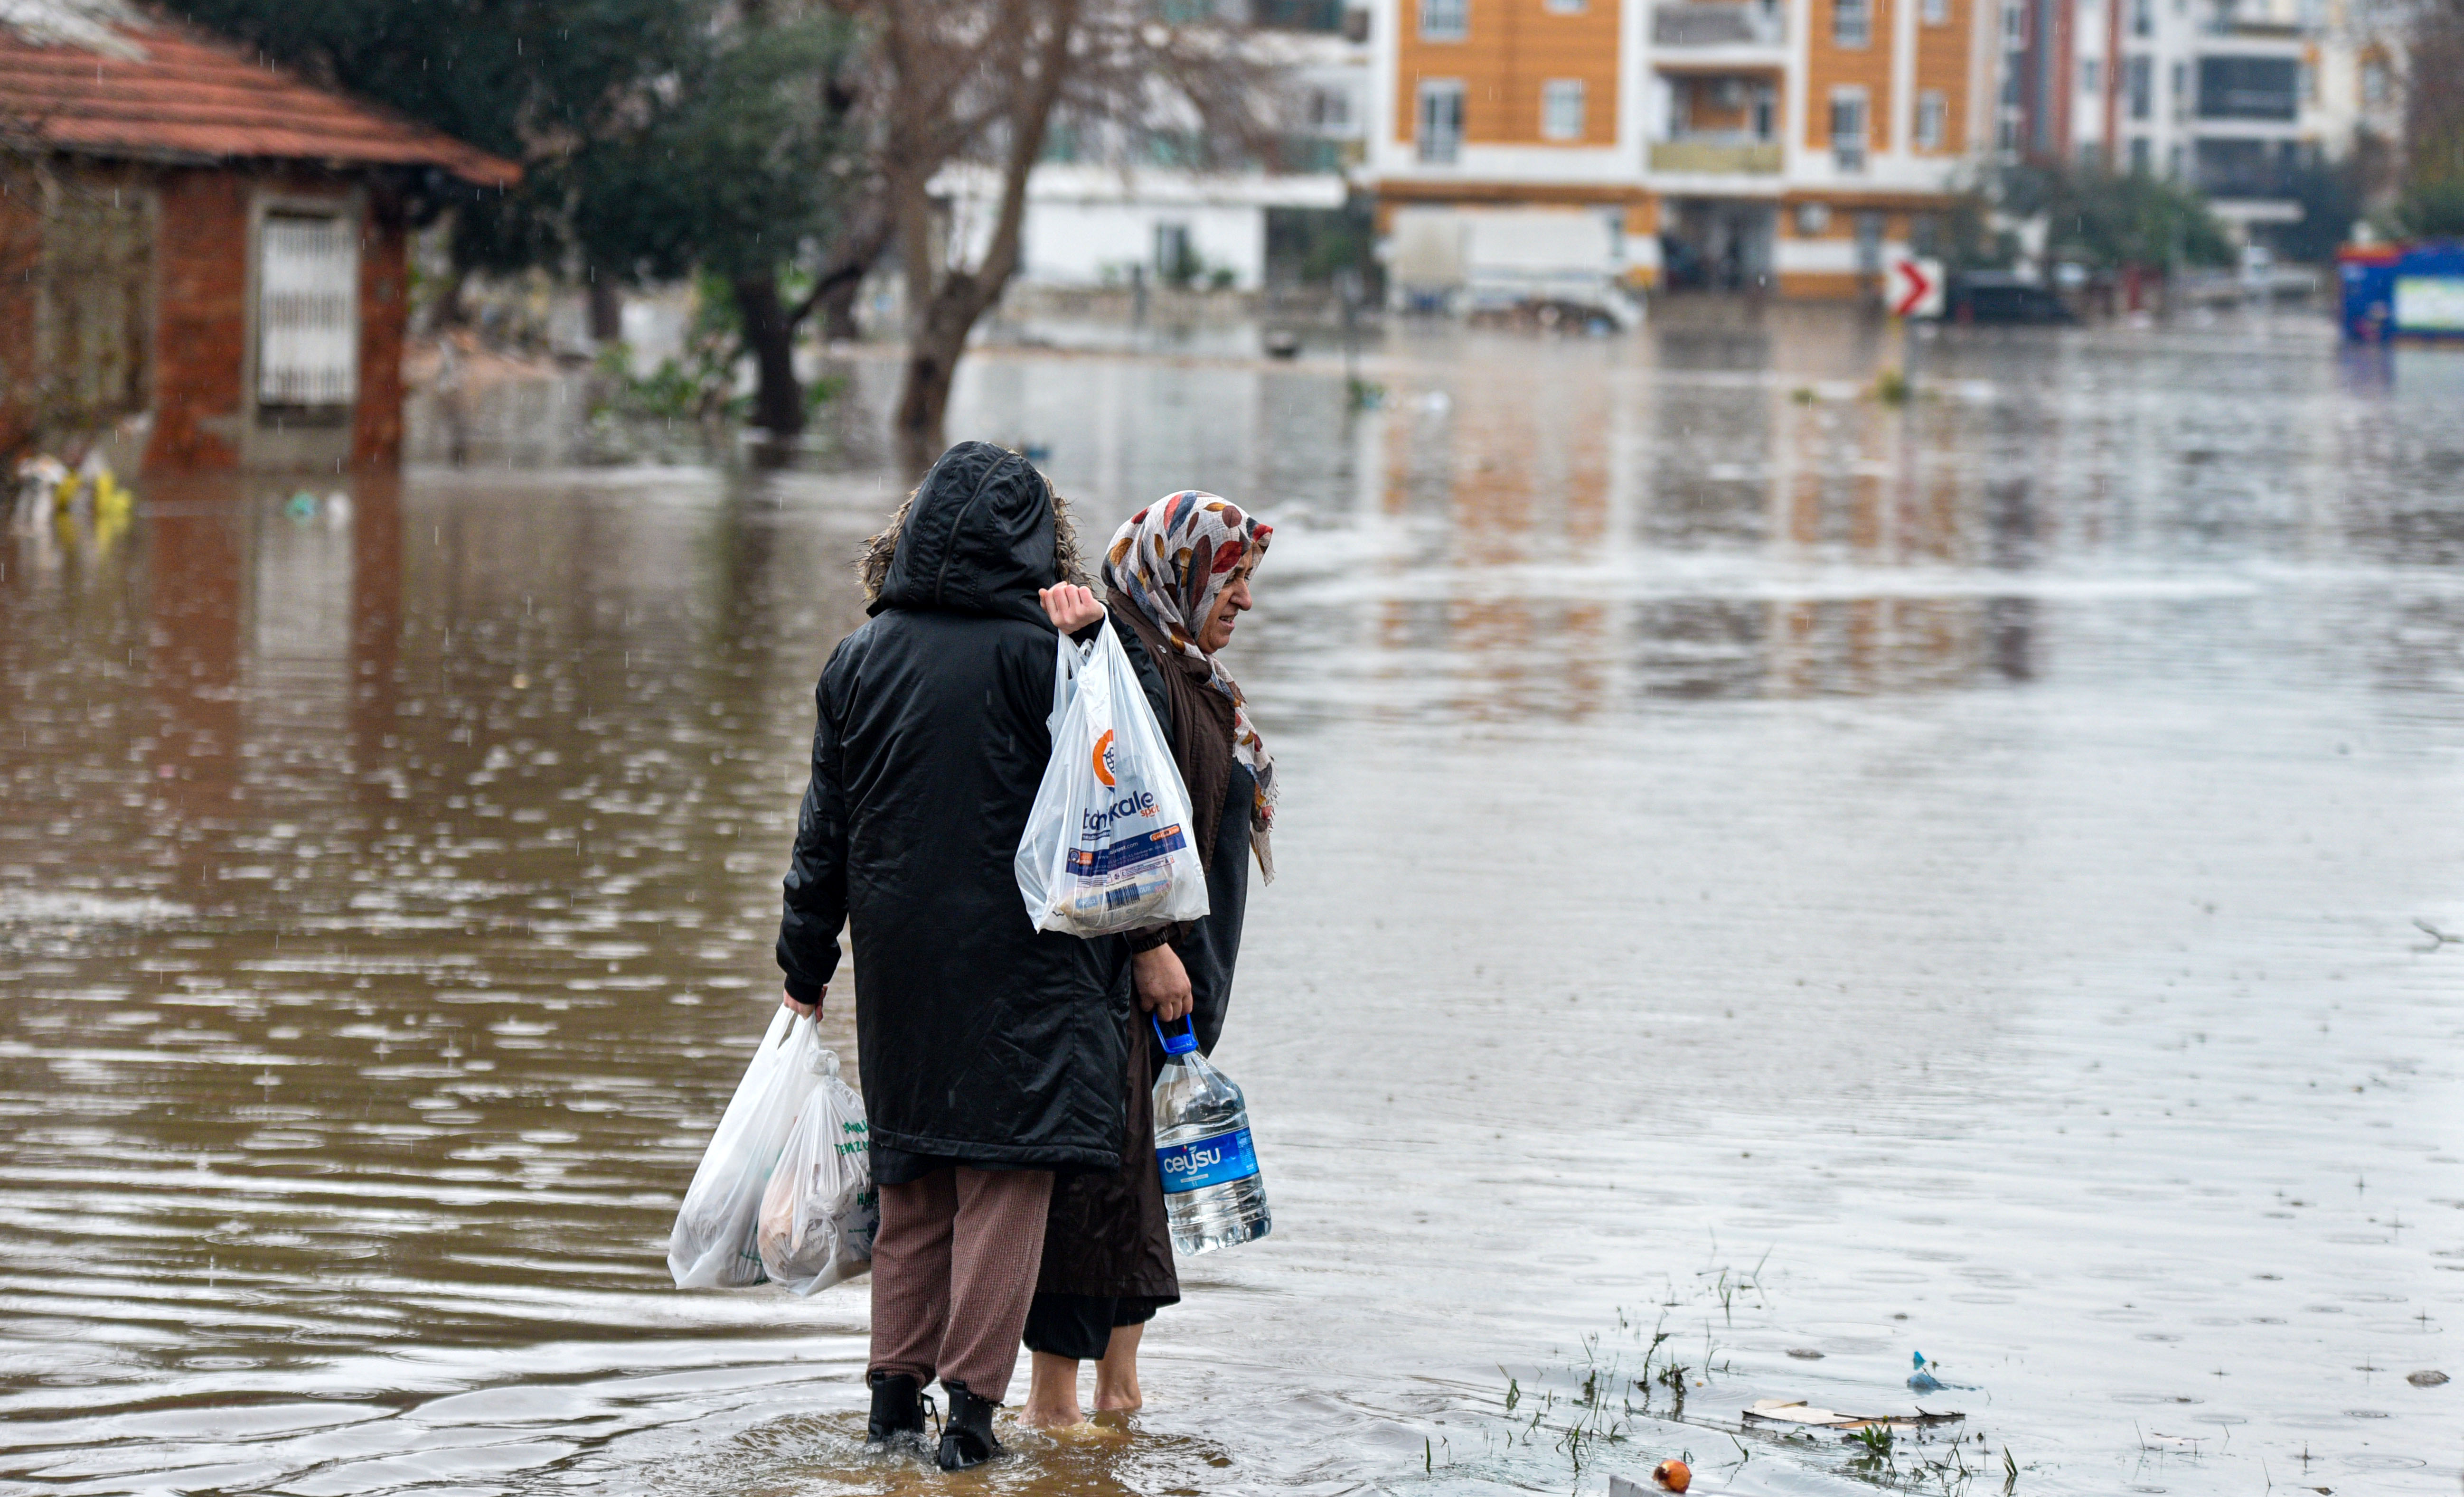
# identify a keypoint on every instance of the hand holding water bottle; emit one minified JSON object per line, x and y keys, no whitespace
{"x":1162,"y":982}
{"x":1212,"y":1192}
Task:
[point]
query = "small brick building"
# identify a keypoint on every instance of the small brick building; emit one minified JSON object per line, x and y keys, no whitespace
{"x":198,"y":250}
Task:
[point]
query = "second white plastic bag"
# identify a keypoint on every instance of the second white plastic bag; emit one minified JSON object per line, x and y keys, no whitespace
{"x":713,"y":1246}
{"x":1109,"y":845}
{"x":820,"y":1213}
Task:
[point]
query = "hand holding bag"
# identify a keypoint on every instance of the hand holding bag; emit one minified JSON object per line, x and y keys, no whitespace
{"x":1108,"y":845}
{"x":713,"y":1246}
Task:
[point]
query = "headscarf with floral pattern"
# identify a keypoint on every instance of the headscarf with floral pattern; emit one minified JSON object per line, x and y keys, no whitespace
{"x":1173,"y":561}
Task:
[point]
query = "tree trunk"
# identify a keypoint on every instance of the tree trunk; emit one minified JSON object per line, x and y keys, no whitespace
{"x":838,"y":313}
{"x":607,"y":310}
{"x":770,"y":334}
{"x":933,"y":354}
{"x":946,"y":305}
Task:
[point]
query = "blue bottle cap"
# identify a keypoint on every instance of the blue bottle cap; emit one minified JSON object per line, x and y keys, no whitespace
{"x":1180,"y":1043}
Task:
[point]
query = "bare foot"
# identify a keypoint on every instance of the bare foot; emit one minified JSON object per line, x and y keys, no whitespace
{"x":1116,"y":1375}
{"x":1052,"y":1394}
{"x":1055,"y":1416}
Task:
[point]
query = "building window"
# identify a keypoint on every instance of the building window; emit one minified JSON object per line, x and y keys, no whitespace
{"x":1448,"y":20}
{"x":2375,"y":91}
{"x":1442,"y":121}
{"x":1331,"y":111}
{"x":2142,"y":17}
{"x":1568,"y":6}
{"x":2015,"y":26}
{"x":1561,"y":109}
{"x":1848,"y":129}
{"x":2088,"y":78}
{"x":1934,"y":112}
{"x":308,"y":311}
{"x":2140,"y":82}
{"x":1936,"y":12}
{"x":2250,"y":88}
{"x":1764,"y":112}
{"x":2142,"y":154}
{"x":1852,"y":23}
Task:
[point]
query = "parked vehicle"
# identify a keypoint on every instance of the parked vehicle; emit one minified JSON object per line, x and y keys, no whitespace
{"x":2001,"y":297}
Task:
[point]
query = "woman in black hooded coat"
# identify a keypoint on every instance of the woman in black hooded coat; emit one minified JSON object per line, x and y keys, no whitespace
{"x":991,"y":1054}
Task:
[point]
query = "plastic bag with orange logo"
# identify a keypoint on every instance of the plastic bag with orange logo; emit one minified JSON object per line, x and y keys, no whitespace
{"x":1109,"y":846}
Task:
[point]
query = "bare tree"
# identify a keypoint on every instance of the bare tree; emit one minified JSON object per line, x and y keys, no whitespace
{"x":2433,"y":118}
{"x":977,"y":85}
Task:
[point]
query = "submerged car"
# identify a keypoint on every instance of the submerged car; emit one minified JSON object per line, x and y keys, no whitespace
{"x":2003,"y":299}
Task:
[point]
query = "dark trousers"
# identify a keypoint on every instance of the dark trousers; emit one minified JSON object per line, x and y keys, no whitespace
{"x":1080,"y":1326}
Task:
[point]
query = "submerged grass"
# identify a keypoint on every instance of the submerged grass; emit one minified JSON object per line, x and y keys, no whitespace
{"x":1623,"y":1408}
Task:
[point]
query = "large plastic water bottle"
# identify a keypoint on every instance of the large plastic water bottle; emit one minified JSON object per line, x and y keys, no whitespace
{"x":1212,"y":1193}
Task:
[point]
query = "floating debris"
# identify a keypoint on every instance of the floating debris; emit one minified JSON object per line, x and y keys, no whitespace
{"x":1805,"y":1354}
{"x":1673,"y":1476}
{"x":1924,"y":1381}
{"x":1784,"y":1411}
{"x":2427,"y":1378}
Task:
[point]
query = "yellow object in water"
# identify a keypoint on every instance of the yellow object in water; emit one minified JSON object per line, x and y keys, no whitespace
{"x":109,"y":498}
{"x":64,"y":492}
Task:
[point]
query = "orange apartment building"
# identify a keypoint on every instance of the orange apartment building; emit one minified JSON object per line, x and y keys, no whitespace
{"x":1790,"y":146}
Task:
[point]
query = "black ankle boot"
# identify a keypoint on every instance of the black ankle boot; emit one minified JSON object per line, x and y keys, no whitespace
{"x":897,"y":1407}
{"x":967,"y":1437}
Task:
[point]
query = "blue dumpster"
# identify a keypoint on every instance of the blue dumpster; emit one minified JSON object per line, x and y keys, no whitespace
{"x":2401,"y":289}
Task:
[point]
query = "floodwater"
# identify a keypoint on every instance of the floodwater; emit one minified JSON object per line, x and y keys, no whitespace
{"x":1760,"y":868}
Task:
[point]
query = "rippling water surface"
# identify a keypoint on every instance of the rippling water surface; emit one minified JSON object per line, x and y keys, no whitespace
{"x":1795,"y":880}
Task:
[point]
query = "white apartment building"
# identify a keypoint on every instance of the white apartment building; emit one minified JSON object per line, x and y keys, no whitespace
{"x":1104,"y":212}
{"x":2228,"y":96}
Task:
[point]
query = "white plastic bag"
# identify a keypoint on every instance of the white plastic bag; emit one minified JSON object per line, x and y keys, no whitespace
{"x":820,"y":1213}
{"x":713,"y":1245}
{"x":1109,"y":845}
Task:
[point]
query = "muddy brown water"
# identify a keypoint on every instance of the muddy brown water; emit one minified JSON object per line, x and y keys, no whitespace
{"x":1761,"y":866}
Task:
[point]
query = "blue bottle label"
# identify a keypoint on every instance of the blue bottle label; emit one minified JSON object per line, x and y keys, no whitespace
{"x":1216,"y":1161}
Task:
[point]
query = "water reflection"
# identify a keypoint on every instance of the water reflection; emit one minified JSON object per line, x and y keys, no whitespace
{"x":1962,"y":851}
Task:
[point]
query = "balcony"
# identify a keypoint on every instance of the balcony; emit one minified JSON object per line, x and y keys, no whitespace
{"x":1714,"y":156}
{"x":1717,"y":23}
{"x":2246,"y":169}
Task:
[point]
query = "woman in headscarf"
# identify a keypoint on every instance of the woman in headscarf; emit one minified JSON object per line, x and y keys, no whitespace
{"x":1177,"y":579}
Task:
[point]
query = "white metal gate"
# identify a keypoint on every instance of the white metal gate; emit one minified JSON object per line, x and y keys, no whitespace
{"x":308,"y":324}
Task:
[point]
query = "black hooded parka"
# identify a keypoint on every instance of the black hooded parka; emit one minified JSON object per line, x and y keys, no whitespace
{"x":980,"y":1039}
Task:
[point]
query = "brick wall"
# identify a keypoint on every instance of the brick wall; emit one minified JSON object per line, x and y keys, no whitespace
{"x":21,"y":252}
{"x":384,"y":305}
{"x":201,"y":329}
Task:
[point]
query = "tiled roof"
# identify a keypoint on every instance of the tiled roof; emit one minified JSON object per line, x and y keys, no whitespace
{"x":161,"y":89}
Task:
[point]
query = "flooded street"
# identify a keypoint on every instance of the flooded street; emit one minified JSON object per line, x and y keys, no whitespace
{"x":1808,"y":880}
